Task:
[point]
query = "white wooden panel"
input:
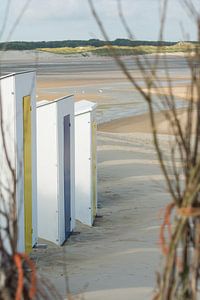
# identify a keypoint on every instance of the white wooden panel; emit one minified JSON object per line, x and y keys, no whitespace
{"x":47,"y":166}
{"x":8,"y":120}
{"x":50,"y":146}
{"x":84,"y":106}
{"x":83,"y":197}
{"x":84,"y":181}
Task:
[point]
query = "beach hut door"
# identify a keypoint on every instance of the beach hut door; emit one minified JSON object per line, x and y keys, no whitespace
{"x":27,"y":173}
{"x":67,"y":191}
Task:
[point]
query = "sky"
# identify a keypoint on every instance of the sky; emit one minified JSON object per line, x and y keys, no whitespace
{"x":72,"y":19}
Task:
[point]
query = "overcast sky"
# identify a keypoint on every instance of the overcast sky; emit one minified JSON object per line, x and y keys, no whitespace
{"x":72,"y":19}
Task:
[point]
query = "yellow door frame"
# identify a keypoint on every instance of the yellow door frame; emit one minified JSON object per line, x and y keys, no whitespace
{"x":27,"y":173}
{"x":94,"y":170}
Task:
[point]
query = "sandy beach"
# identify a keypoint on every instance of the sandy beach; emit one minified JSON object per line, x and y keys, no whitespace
{"x":118,"y":257}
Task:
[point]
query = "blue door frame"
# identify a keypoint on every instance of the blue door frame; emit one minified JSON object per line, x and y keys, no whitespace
{"x":67,"y":179}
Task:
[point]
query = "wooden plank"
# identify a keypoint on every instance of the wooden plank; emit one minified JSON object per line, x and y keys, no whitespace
{"x":94,"y":170}
{"x":27,"y":173}
{"x":67,"y":179}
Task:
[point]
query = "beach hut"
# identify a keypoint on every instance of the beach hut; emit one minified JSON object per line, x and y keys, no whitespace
{"x":55,"y":151}
{"x":85,"y":162}
{"x":18,"y":118}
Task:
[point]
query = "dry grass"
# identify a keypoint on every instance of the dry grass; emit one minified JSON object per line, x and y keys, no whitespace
{"x":122,"y":50}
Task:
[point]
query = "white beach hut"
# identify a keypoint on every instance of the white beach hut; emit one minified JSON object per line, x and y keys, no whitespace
{"x":85,"y":162}
{"x":18,"y":116}
{"x":55,"y":151}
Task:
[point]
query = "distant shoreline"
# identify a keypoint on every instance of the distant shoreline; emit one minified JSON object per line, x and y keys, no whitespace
{"x":122,"y":47}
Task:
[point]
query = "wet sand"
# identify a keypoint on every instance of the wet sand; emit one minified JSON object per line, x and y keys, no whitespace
{"x":182,"y":91}
{"x":142,"y":123}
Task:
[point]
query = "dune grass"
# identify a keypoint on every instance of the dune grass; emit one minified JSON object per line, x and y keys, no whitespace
{"x":69,"y":50}
{"x":121,"y":50}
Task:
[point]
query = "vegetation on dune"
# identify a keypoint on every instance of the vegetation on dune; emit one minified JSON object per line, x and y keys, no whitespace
{"x":68,"y":50}
{"x":23,"y":45}
{"x":123,"y":50}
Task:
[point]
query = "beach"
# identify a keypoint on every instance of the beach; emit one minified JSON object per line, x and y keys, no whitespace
{"x":119,"y":256}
